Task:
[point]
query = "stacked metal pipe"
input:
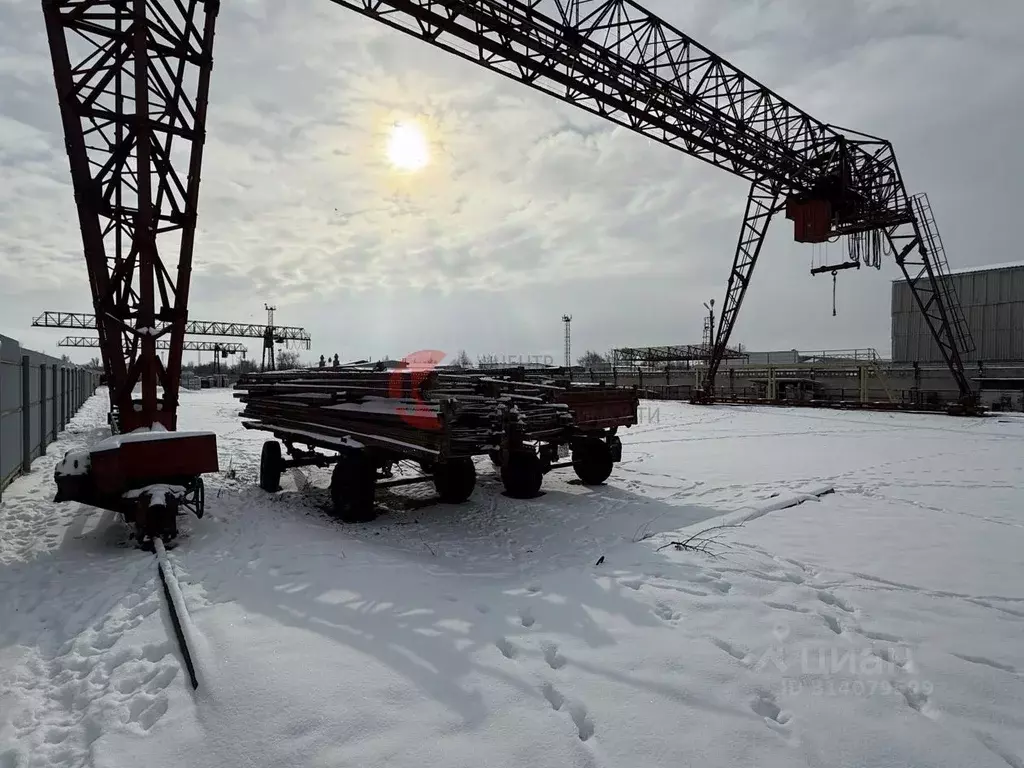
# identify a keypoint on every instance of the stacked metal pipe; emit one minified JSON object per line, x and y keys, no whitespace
{"x":432,"y":413}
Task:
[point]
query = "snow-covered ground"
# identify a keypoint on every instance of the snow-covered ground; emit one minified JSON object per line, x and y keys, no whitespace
{"x":880,"y":625}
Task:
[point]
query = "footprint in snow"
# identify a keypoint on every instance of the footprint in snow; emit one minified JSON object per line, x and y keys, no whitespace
{"x":665,"y":612}
{"x":832,"y":623}
{"x":55,"y":735}
{"x":721,"y":585}
{"x":554,"y":659}
{"x":581,"y":718}
{"x":918,"y":699}
{"x":555,"y":699}
{"x":526,"y":618}
{"x":765,"y":705}
{"x":829,"y":599}
{"x":886,"y":654}
{"x":577,"y":710}
{"x":146,"y":710}
{"x":732,"y":650}
{"x":508,"y":650}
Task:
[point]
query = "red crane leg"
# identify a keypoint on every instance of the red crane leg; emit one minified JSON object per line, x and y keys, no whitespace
{"x":132,"y":80}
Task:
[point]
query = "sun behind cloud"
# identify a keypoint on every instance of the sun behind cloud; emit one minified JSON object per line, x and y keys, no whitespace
{"x":407,"y":147}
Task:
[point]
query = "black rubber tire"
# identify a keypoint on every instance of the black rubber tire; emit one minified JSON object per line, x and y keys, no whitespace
{"x":270,"y":466}
{"x":455,"y":480}
{"x":353,"y":484}
{"x":592,"y":461}
{"x":495,"y":457}
{"x":199,"y":497}
{"x":522,"y":475}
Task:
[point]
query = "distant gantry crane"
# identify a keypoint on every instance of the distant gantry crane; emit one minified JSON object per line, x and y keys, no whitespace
{"x":286,"y":334}
{"x":133,"y":80}
{"x":218,"y":347}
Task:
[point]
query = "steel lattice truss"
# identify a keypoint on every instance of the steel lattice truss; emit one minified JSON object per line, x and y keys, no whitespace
{"x":672,"y":354}
{"x":132,"y":80}
{"x":616,"y":60}
{"x":619,"y":61}
{"x":228,"y":347}
{"x":192,"y":327}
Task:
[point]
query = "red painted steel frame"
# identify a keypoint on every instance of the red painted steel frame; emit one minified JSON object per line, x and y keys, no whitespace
{"x":133,"y":79}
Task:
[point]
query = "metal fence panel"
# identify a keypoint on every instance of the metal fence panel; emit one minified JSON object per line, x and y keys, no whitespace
{"x":38,"y":396}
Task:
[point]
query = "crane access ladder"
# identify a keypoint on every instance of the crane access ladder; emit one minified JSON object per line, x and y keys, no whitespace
{"x":922,"y":208}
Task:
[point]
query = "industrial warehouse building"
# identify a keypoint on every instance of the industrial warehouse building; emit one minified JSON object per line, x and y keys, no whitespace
{"x":992,"y":298}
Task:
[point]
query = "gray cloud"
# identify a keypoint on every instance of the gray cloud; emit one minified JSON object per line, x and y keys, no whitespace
{"x":530,"y":208}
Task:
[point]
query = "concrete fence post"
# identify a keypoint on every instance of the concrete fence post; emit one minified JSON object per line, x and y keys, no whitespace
{"x":26,"y":414}
{"x":53,"y":402}
{"x":43,"y":435}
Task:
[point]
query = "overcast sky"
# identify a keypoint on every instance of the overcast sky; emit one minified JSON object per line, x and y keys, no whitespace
{"x":529,"y":208}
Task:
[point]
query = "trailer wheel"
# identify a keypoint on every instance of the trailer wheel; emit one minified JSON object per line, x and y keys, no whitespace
{"x":592,"y":461}
{"x":353,"y":483}
{"x":270,"y":466}
{"x":522,"y":475}
{"x":195,"y":497}
{"x":495,"y":457}
{"x":455,"y":480}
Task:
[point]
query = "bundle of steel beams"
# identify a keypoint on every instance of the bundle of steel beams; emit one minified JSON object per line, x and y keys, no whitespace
{"x":388,"y":411}
{"x":435,"y":413}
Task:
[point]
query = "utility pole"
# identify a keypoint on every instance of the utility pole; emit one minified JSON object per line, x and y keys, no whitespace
{"x":567,"y":319}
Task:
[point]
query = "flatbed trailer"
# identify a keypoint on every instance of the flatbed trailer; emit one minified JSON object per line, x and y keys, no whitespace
{"x":442,"y":428}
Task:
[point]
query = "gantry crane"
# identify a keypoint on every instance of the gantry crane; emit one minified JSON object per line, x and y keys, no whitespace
{"x":133,"y":79}
{"x":219,"y":347}
{"x":284,"y":333}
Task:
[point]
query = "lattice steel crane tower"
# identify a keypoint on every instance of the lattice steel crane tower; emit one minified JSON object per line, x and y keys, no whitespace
{"x":133,"y":80}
